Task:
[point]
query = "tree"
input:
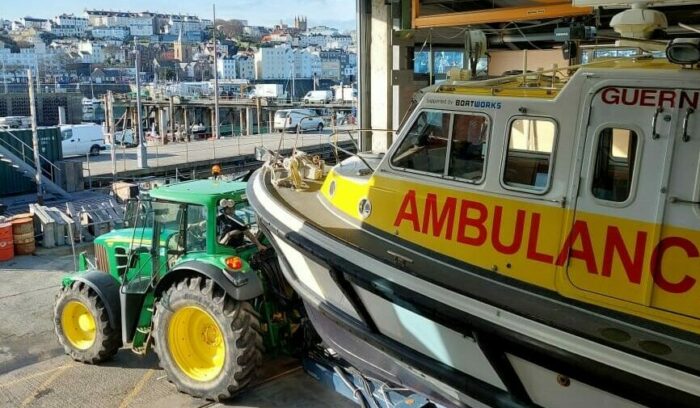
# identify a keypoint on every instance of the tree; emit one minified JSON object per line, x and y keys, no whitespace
{"x":47,"y":37}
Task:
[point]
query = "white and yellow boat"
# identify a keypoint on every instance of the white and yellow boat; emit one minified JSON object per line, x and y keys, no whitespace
{"x":517,"y":245}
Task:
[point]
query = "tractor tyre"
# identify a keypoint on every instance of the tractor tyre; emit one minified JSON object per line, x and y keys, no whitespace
{"x":209,"y":344}
{"x":82,"y":325}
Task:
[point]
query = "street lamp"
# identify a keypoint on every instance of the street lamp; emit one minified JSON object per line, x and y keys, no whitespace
{"x":215,"y":133}
{"x":141,"y":154}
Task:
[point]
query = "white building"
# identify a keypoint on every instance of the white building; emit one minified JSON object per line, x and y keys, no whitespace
{"x":274,"y":62}
{"x":38,"y":57}
{"x":31,"y":22}
{"x":16,"y":26}
{"x":306,"y":64}
{"x":15,"y":64}
{"x":97,"y":18}
{"x":139,"y":24}
{"x":333,"y":41}
{"x":246,"y":66}
{"x":307,"y":40}
{"x":110,"y":33}
{"x":226,"y":67}
{"x":338,"y":41}
{"x":68,"y":26}
{"x":91,"y":52}
{"x":283,"y":62}
{"x":185,"y":24}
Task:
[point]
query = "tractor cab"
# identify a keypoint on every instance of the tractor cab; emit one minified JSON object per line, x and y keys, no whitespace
{"x":189,"y":271}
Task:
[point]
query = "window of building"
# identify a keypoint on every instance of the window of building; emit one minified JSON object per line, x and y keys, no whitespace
{"x":614,"y":164}
{"x":468,"y":147}
{"x":425,"y":146}
{"x":528,"y":163}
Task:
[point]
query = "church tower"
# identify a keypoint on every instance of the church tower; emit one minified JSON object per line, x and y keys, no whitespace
{"x":181,"y":50}
{"x":300,"y":23}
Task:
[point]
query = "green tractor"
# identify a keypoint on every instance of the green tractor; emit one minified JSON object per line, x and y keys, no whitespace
{"x":169,"y":277}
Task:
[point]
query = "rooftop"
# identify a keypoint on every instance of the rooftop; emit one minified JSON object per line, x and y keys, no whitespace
{"x":198,"y":191}
{"x":547,"y":84}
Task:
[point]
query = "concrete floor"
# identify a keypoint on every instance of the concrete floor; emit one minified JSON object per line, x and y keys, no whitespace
{"x":202,"y":150}
{"x":35,"y":373}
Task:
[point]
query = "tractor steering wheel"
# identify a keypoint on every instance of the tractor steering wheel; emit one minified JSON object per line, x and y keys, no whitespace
{"x":196,"y":235}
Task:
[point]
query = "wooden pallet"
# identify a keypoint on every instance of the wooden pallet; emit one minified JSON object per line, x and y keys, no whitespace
{"x":53,"y":225}
{"x":95,"y":217}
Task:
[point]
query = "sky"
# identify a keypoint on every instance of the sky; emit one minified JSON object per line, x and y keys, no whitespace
{"x":333,"y":13}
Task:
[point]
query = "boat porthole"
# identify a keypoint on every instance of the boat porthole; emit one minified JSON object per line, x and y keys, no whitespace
{"x":616,"y":335}
{"x":655,"y":347}
{"x":365,"y":208}
{"x":331,"y":189}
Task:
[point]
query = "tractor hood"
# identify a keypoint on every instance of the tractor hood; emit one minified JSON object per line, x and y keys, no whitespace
{"x":124,"y":237}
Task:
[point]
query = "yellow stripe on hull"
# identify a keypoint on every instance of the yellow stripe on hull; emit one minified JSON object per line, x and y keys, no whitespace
{"x":635,"y":267}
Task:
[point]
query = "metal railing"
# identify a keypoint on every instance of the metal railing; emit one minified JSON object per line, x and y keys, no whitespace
{"x":333,"y":141}
{"x":181,"y":150}
{"x":26,"y":154}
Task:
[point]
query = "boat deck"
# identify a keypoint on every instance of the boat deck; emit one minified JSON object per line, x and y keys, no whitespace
{"x":309,"y":205}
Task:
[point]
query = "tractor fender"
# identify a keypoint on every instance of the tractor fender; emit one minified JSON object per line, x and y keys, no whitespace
{"x":107,"y":289}
{"x":238,"y":285}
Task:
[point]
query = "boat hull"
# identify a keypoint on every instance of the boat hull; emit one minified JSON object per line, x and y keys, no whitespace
{"x":458,"y":350}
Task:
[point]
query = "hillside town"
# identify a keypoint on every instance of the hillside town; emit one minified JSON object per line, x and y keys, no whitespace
{"x":98,"y":47}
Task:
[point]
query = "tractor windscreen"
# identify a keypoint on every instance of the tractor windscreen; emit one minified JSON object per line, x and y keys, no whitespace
{"x":246,"y":214}
{"x":182,"y":227}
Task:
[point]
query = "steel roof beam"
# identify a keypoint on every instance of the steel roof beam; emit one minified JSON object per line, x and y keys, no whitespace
{"x":497,"y":15}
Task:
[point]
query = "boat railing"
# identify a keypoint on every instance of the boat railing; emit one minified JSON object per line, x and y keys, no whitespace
{"x":333,"y":141}
{"x":542,"y":78}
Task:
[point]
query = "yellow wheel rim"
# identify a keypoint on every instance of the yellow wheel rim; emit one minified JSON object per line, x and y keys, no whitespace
{"x":78,"y":325}
{"x":196,"y":343}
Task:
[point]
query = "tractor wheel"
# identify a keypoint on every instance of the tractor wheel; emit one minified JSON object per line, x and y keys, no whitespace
{"x":82,"y":325}
{"x":209,"y":344}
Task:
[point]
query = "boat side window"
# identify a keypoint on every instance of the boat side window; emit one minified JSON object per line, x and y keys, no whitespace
{"x":614,"y":164}
{"x":425,"y":146}
{"x":468,"y":149}
{"x":528,"y":162}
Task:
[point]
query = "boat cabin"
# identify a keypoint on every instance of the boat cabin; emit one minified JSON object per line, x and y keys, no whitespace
{"x":587,"y":186}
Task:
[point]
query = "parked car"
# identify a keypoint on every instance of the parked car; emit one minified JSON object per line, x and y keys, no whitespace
{"x":297,"y":119}
{"x":318,"y":97}
{"x":82,"y":139}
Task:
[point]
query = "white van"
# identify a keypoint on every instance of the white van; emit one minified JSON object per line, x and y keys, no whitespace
{"x":318,"y":97}
{"x":298,"y":119}
{"x":82,"y":139}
